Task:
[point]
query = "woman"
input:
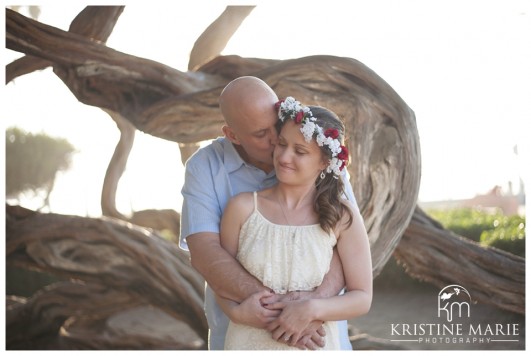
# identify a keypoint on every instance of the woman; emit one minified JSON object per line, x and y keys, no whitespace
{"x":285,"y":235}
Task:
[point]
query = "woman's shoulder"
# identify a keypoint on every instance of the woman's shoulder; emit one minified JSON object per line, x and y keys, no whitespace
{"x":243,"y":200}
{"x":239,"y":208}
{"x":352,"y":205}
{"x":350,"y":217}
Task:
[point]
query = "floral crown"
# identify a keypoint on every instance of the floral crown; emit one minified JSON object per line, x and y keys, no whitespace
{"x":291,"y":108}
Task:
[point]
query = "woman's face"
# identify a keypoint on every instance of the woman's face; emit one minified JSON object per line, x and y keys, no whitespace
{"x":297,"y":161}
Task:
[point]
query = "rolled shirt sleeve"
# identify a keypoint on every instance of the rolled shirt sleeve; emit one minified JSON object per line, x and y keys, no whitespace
{"x":202,"y":208}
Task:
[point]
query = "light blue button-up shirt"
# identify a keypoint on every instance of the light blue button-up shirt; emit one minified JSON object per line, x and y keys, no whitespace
{"x":214,"y":174}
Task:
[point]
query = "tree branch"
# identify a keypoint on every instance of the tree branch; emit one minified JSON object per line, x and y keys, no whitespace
{"x":98,"y":75}
{"x":214,"y":39}
{"x":93,"y":22}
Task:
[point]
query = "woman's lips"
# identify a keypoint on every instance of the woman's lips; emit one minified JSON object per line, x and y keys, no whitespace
{"x":285,"y":167}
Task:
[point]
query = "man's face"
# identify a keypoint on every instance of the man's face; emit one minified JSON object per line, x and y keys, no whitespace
{"x":258,"y":137}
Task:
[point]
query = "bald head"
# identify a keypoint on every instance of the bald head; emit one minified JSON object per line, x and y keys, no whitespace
{"x":245,"y":98}
{"x":248,"y":106}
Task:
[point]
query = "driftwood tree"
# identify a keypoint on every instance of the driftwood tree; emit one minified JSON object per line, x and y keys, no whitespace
{"x":182,"y":107}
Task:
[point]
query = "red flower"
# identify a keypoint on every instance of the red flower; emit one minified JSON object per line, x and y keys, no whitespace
{"x":331,"y":133}
{"x":343,"y":155}
{"x":299,"y":117}
{"x":278,"y":103}
{"x":342,"y":165}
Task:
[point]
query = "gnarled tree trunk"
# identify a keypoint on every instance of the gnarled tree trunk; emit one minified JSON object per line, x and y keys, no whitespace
{"x":122,"y":267}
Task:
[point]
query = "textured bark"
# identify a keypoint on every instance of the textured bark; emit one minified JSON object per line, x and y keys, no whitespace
{"x":83,"y":315}
{"x":93,"y":22}
{"x":118,"y":255}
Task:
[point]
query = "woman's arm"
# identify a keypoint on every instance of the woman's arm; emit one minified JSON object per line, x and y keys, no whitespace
{"x":354,"y":251}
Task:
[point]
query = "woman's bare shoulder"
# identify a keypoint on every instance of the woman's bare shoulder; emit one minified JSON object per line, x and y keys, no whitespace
{"x":348,"y":221}
{"x":243,"y":200}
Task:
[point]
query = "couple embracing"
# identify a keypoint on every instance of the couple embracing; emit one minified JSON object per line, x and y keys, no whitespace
{"x":271,"y":223}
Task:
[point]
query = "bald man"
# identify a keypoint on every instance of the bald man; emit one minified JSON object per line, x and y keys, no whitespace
{"x":242,"y":161}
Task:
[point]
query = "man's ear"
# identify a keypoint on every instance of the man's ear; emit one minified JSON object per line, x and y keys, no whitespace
{"x":230,"y":135}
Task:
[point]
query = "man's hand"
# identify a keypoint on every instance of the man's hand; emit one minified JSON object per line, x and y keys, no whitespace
{"x":296,"y":326}
{"x":313,"y":337}
{"x":252,"y":311}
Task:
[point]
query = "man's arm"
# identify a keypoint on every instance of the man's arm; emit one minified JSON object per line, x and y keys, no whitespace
{"x":204,"y":192}
{"x":223,"y":273}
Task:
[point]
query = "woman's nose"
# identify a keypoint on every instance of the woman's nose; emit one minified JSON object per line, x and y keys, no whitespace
{"x":283,"y":155}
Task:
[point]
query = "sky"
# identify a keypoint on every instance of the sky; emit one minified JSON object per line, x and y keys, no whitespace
{"x":462,"y":66}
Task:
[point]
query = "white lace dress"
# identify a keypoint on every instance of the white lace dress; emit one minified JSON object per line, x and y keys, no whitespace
{"x":285,"y":258}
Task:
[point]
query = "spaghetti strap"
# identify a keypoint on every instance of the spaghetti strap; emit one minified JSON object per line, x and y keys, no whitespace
{"x":255,"y":201}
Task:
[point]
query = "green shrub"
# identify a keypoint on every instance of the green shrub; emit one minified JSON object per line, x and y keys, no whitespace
{"x":489,"y":229}
{"x":508,"y":235}
{"x":33,"y":160}
{"x":466,"y":222}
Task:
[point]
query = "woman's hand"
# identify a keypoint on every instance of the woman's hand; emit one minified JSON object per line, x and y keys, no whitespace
{"x":252,"y":311}
{"x":293,"y":324}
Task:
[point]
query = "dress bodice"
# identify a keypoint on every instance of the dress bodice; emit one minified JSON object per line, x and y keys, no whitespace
{"x":285,"y":258}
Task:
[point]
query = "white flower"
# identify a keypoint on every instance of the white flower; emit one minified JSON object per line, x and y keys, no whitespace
{"x":334,"y":145}
{"x":290,"y":105}
{"x":308,"y":129}
{"x":334,"y":166}
{"x":320,"y":139}
{"x":308,"y":113}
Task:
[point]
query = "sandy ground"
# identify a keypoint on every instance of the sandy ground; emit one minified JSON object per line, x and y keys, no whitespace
{"x":416,"y":303}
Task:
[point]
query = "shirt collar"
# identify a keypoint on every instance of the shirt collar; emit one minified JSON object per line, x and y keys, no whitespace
{"x":232,"y":158}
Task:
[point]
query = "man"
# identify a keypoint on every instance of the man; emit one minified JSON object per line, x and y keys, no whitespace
{"x":242,"y":161}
